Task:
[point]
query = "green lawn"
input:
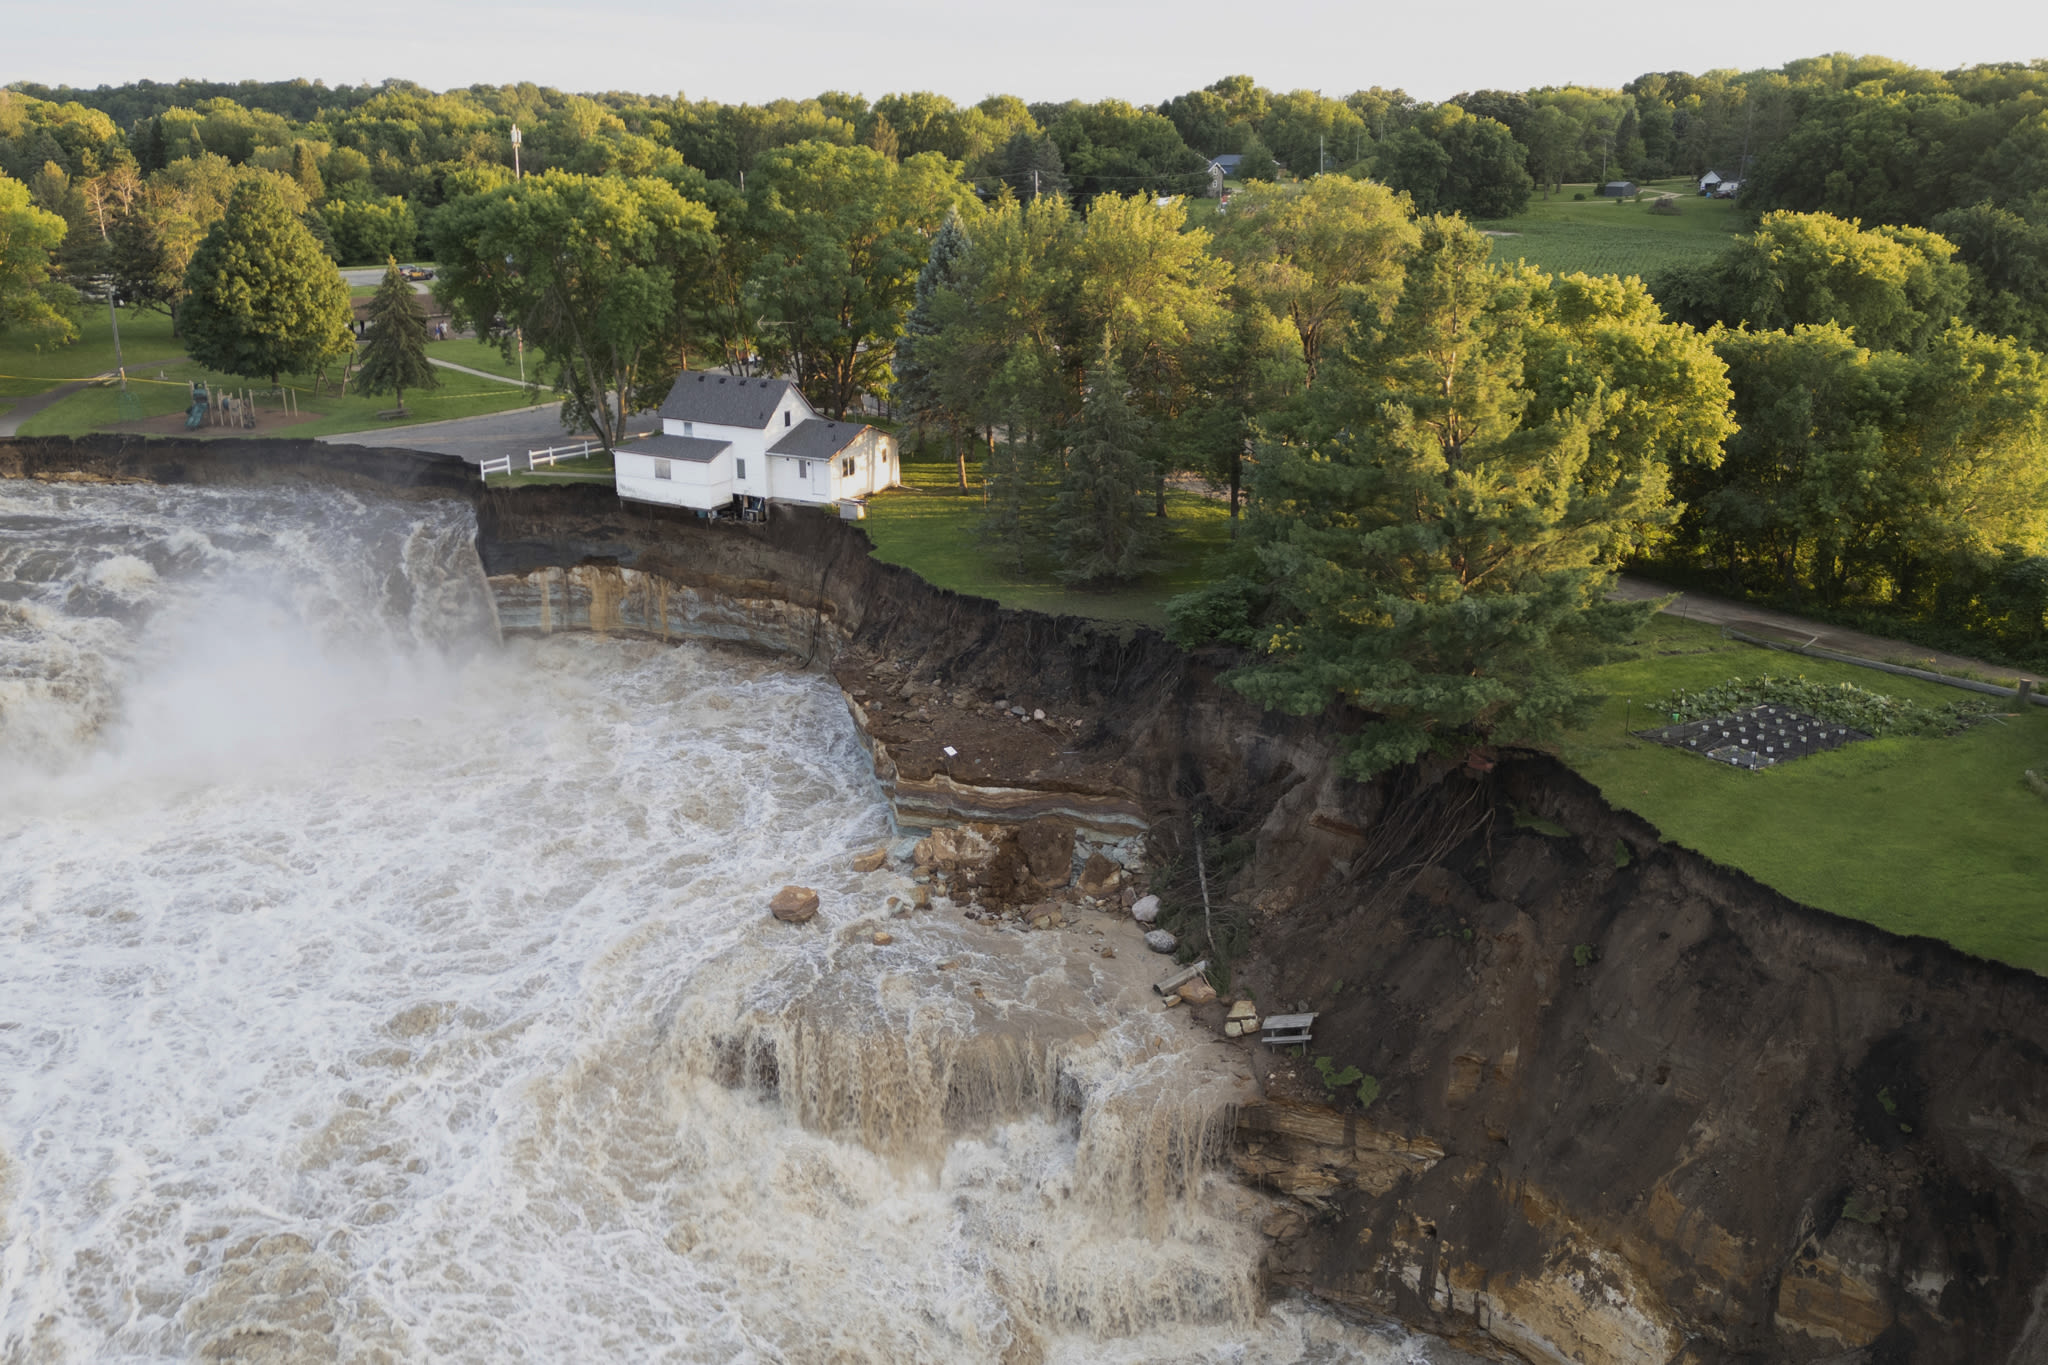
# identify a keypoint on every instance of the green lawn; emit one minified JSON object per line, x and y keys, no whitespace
{"x":932,"y":527}
{"x":1919,"y":836}
{"x":99,"y":408}
{"x":146,"y":342}
{"x":595,"y":468}
{"x":1614,"y":237}
{"x":482,"y":355}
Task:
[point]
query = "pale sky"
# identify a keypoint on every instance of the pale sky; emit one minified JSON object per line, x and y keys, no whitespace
{"x":1056,"y":49}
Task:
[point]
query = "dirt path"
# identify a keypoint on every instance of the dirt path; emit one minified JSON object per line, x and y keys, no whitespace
{"x":1720,"y":611}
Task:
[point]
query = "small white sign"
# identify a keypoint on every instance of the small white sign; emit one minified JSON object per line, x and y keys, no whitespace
{"x":952,"y":752}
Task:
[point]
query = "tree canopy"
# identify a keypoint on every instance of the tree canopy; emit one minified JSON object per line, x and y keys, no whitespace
{"x":262,"y":298}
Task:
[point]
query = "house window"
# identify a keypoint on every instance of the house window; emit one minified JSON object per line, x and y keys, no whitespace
{"x":803,"y":469}
{"x":785,"y":419}
{"x":739,"y":468}
{"x":689,"y":428}
{"x":661,"y":469}
{"x":846,"y":466}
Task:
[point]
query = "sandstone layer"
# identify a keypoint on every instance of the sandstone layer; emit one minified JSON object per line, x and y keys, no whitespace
{"x":1631,"y":1106}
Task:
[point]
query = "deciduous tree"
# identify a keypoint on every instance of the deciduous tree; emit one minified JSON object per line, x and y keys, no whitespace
{"x":31,"y":307}
{"x":586,"y":266}
{"x":262,"y":298}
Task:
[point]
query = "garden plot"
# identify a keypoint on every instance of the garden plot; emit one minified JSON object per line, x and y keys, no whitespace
{"x":1759,"y":737}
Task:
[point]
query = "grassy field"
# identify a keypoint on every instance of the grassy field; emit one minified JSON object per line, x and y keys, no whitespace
{"x":1615,"y":237}
{"x":146,"y":342}
{"x":1919,"y":836}
{"x":99,"y":408}
{"x":481,"y":355}
{"x":934,"y":528}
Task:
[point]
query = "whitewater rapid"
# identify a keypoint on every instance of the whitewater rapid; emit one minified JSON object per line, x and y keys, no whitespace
{"x":370,"y":990}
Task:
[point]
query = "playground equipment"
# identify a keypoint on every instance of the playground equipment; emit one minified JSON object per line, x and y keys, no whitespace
{"x":195,"y":416}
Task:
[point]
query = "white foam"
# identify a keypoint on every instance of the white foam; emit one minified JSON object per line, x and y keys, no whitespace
{"x":353,"y":971}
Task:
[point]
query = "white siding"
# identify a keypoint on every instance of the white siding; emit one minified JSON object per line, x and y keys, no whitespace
{"x":703,"y":485}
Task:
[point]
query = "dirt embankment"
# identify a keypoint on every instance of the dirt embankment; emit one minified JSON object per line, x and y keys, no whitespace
{"x":1630,"y":1106}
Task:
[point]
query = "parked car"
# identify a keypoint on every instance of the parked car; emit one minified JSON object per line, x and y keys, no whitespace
{"x":414,"y":272}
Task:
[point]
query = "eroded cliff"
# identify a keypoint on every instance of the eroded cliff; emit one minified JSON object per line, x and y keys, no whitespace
{"x":1631,"y":1106}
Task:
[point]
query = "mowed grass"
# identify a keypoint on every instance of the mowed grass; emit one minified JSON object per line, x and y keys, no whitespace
{"x":1918,"y":836}
{"x":146,"y":342}
{"x":1616,"y":237}
{"x":100,"y":408}
{"x":597,"y":467}
{"x":934,"y":528}
{"x":482,"y":355}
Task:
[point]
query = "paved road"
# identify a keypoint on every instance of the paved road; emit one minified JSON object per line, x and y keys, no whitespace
{"x":1720,"y":611}
{"x":374,"y":274}
{"x":474,"y":439}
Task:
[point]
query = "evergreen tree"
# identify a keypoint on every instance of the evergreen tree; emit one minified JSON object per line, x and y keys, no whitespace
{"x":1431,"y":551}
{"x":1029,"y":164}
{"x":262,"y":298}
{"x":306,"y":172}
{"x":155,"y":156}
{"x":395,"y":343}
{"x":1100,"y":523}
{"x":915,"y":389}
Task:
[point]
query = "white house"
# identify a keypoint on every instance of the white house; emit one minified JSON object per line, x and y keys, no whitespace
{"x":1709,"y":181}
{"x":729,"y":444}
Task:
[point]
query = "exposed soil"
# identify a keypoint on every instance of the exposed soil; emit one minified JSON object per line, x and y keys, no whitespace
{"x":1632,"y":1107}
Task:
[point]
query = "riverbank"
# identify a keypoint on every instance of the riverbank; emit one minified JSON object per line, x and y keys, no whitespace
{"x":1630,"y":1106}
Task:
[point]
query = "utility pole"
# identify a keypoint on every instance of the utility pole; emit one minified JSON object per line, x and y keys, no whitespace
{"x":1034,"y":183}
{"x":518,"y":333}
{"x":1321,"y":164}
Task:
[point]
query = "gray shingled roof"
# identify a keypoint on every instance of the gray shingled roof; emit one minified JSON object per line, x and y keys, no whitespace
{"x":722,"y":399}
{"x":677,"y":448}
{"x":814,"y":438}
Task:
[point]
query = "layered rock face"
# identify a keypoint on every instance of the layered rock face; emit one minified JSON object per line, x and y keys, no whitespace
{"x":1630,"y":1106}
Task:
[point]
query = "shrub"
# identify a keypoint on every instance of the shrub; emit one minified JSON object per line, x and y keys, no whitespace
{"x":1667,"y":205}
{"x":1579,"y":197}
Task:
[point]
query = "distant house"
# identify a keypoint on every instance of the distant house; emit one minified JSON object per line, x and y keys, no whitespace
{"x":1618,"y":189}
{"x":1709,"y":181}
{"x":1727,"y":189}
{"x":1227,"y":163}
{"x":730,"y":446}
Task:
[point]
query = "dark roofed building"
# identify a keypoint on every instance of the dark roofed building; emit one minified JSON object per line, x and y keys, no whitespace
{"x":817,"y":439}
{"x":724,"y":400}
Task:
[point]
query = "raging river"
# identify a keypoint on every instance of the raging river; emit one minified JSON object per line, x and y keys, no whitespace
{"x":376,"y":989}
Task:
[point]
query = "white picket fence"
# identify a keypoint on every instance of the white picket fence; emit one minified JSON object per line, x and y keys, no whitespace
{"x":536,"y":459}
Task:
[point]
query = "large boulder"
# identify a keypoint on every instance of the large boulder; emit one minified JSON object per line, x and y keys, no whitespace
{"x":794,"y":904}
{"x":1047,"y":844}
{"x":1099,"y":876}
{"x":954,"y":848}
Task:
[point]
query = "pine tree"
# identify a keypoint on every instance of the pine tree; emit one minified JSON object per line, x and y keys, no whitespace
{"x":262,"y":298}
{"x":307,"y":173}
{"x":1432,"y":551}
{"x":1029,"y":164}
{"x":154,"y":155}
{"x":1101,"y":527}
{"x":914,"y":389}
{"x":395,"y":344}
